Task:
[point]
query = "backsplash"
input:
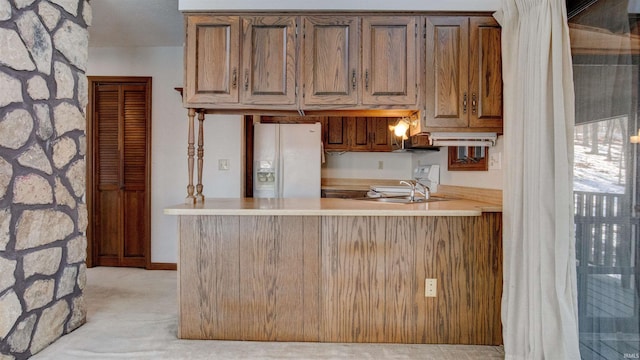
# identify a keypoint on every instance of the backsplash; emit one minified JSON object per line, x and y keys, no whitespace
{"x":367,"y":165}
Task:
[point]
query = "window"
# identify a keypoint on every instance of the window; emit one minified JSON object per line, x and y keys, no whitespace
{"x":468,"y":158}
{"x":605,"y":48}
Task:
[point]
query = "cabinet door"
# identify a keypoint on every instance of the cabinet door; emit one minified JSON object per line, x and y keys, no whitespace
{"x":269,"y":60}
{"x":335,"y":133}
{"x":381,"y":136}
{"x":447,"y":60}
{"x":359,"y":134}
{"x":485,"y":73}
{"x":212,"y":56}
{"x":389,"y":61}
{"x":330,"y":53}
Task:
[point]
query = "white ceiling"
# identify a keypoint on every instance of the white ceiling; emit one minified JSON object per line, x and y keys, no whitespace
{"x":130,"y":23}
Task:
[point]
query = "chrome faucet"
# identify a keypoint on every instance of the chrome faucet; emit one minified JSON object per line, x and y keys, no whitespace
{"x":416,"y":187}
{"x":426,"y":192}
{"x":412,"y":186}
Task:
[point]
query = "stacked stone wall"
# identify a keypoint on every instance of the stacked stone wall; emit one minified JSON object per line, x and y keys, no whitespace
{"x":43,"y":216}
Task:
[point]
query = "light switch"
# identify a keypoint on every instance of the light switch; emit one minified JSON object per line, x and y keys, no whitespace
{"x":223,"y":164}
{"x":495,"y":161}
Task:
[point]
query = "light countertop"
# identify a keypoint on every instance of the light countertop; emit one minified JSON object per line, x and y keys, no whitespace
{"x":330,"y":207}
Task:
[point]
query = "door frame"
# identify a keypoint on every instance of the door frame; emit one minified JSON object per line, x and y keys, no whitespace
{"x":90,"y":160}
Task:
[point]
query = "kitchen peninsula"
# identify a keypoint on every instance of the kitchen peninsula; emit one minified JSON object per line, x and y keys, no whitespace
{"x":339,"y":270}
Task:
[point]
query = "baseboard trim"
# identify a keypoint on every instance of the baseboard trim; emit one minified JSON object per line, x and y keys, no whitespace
{"x":162,"y":266}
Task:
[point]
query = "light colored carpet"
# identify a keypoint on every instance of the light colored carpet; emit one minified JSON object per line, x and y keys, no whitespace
{"x":132,"y":314}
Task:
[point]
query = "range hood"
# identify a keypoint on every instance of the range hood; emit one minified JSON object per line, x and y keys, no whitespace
{"x":415,"y":143}
{"x":462,"y":139}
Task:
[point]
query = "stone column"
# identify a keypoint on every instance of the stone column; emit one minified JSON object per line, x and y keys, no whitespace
{"x":43,"y":216}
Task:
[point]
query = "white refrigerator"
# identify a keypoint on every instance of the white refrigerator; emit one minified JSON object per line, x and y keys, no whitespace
{"x":287,"y":160}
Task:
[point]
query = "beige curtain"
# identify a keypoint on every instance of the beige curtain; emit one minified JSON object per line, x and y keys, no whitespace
{"x":539,"y":304}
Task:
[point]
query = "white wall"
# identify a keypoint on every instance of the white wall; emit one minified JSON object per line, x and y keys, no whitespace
{"x":468,"y":5}
{"x":366,"y":165}
{"x":169,"y":137}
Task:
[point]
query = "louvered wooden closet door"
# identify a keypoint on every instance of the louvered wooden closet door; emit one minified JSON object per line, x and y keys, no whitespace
{"x":121,"y":171}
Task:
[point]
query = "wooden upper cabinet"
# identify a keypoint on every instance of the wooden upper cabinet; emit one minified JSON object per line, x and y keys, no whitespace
{"x":463,"y":88}
{"x":449,"y":67}
{"x":331,"y":61}
{"x":389,"y":63}
{"x":447,"y":71}
{"x":380,"y":136}
{"x":212,"y":59}
{"x":485,"y":75}
{"x":357,"y":133}
{"x":219,"y":72}
{"x":335,"y":133}
{"x":335,"y":75}
{"x":269,"y":60}
{"x":360,"y":134}
{"x":370,"y":134}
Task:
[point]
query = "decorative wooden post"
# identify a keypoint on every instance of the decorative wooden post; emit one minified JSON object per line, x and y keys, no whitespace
{"x":190,"y":152}
{"x":199,"y":195}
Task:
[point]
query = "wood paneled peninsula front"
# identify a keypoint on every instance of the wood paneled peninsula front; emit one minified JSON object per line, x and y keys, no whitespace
{"x":339,"y":270}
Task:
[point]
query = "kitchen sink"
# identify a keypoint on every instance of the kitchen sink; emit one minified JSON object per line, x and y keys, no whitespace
{"x":401,"y":199}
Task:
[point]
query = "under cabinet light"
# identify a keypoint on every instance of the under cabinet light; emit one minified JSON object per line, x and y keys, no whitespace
{"x":401,"y":127}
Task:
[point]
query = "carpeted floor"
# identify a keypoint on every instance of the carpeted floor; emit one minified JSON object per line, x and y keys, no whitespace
{"x":132,"y":314}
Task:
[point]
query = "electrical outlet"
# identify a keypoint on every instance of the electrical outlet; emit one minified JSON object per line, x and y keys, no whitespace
{"x":495,"y":161}
{"x":430,"y":287}
{"x":223,"y":164}
{"x":380,"y":165}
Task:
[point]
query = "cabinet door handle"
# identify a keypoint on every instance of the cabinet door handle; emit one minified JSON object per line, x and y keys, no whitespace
{"x":246,"y":79}
{"x":464,"y":103}
{"x":474,"y":103}
{"x":366,"y":80}
{"x":234,"y":78}
{"x":353,"y":79}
